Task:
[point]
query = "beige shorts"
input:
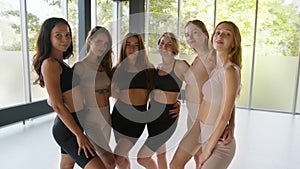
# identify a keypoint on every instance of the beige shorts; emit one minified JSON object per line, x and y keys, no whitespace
{"x":96,"y":123}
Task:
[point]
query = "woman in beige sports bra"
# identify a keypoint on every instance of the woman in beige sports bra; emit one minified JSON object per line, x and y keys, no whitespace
{"x":197,"y":37}
{"x":95,"y":71}
{"x":219,"y":95}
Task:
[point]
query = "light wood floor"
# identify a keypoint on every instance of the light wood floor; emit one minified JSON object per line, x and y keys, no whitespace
{"x":265,"y":140}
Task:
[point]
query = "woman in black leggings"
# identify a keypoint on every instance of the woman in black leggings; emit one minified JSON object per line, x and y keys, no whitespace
{"x":54,"y":44}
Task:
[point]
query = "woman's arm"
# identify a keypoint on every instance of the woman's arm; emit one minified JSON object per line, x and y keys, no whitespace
{"x":228,"y":134}
{"x":231,"y":87}
{"x":51,"y":71}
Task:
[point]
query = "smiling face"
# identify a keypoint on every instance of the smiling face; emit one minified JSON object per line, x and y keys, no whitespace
{"x":165,"y":46}
{"x":223,"y":39}
{"x":60,"y":37}
{"x":99,"y":44}
{"x":194,"y":36}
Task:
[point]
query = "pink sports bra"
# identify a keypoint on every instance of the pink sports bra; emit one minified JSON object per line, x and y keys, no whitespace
{"x":213,"y":87}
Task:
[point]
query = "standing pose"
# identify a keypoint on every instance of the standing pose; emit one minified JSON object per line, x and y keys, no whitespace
{"x":197,"y":38}
{"x":53,"y":45}
{"x":168,"y":80}
{"x":219,"y":95}
{"x":95,"y":72}
{"x":131,"y":84}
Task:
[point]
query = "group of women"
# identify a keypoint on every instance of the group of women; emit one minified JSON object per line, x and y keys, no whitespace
{"x":145,"y":96}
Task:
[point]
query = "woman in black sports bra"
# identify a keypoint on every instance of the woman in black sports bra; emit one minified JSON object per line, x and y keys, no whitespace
{"x":168,"y":79}
{"x":131,"y":85}
{"x":54,"y":44}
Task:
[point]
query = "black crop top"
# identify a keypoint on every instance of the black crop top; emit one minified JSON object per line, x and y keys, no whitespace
{"x":68,"y":79}
{"x":169,"y":82}
{"x":132,"y":80}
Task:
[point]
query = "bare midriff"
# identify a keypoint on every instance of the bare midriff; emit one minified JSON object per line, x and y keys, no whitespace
{"x":135,"y":97}
{"x":209,"y":112}
{"x":193,"y":94}
{"x":164,"y":96}
{"x":94,"y":99}
{"x":73,"y":99}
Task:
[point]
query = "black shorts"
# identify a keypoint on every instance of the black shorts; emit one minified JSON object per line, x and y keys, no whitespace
{"x":68,"y":142}
{"x":162,"y":128}
{"x":126,"y":121}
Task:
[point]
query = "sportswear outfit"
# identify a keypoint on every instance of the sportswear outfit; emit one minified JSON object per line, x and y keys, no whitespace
{"x":95,"y":120}
{"x":61,"y":133}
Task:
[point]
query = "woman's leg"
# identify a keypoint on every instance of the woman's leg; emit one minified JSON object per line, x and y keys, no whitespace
{"x":145,"y":158}
{"x":161,"y":156}
{"x":66,"y":162}
{"x":221,"y":157}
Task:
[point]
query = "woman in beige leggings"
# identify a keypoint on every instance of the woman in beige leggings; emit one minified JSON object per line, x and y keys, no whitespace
{"x":197,"y":38}
{"x":95,"y":72}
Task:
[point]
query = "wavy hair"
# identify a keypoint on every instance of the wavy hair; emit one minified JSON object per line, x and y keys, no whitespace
{"x":236,"y":51}
{"x":44,"y":47}
{"x":105,"y":61}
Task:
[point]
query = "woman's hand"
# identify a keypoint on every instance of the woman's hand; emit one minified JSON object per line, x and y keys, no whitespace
{"x":176,"y":109}
{"x":203,"y":157}
{"x":227,"y":136}
{"x":86,"y":145}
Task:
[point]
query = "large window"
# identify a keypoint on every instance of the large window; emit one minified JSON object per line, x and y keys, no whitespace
{"x":11,"y":65}
{"x":276,"y":57}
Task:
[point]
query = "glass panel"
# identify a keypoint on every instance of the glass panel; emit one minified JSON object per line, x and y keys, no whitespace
{"x":73,"y":21}
{"x":124,"y":18}
{"x":230,"y":10}
{"x":11,"y":73}
{"x":276,"y":55}
{"x":298,"y":100}
{"x":104,"y":14}
{"x":163,"y":18}
{"x":36,"y":16}
{"x":191,"y":10}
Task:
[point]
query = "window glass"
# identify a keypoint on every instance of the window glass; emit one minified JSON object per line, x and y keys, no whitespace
{"x":11,"y":65}
{"x":276,"y":57}
{"x":298,"y":100}
{"x":230,"y":10}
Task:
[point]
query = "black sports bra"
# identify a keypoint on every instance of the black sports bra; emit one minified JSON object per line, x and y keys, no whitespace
{"x":169,"y":82}
{"x":68,"y":79}
{"x":133,"y":80}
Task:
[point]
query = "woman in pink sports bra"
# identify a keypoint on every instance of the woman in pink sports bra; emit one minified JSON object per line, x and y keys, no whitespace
{"x":197,"y":38}
{"x":219,"y":95}
{"x":95,"y":72}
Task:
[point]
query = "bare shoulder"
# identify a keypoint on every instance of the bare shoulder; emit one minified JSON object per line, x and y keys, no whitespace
{"x":232,"y":73}
{"x":50,"y":67}
{"x":181,"y":66}
{"x":79,"y":67}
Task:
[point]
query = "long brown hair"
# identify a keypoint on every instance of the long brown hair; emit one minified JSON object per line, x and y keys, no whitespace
{"x":236,"y":51}
{"x":105,"y":61}
{"x":44,"y":47}
{"x":142,"y":61}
